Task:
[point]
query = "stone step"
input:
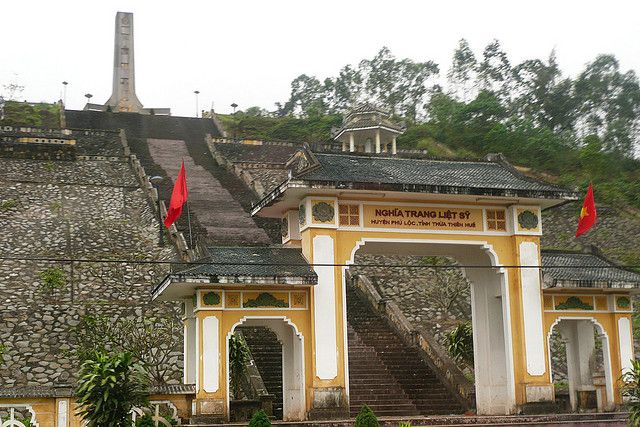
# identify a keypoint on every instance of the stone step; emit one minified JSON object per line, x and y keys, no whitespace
{"x":387,"y":374}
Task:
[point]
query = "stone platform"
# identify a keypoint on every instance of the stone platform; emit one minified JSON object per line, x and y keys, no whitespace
{"x":564,"y":420}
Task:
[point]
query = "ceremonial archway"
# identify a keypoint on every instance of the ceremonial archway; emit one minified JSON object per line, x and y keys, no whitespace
{"x":293,"y":378}
{"x":493,"y":349}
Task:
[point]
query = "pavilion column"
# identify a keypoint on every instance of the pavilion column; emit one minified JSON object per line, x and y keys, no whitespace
{"x":393,"y":146}
{"x":352,"y":143}
{"x":377,"y":141}
{"x":344,"y":145}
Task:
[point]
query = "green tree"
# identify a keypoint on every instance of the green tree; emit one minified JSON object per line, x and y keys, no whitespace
{"x":109,"y":386}
{"x":462,"y":74}
{"x":494,"y":71}
{"x":609,"y":103}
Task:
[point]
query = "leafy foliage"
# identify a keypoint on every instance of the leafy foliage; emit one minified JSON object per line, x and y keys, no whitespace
{"x":631,"y":389}
{"x":7,"y":205}
{"x":109,"y":386}
{"x":150,"y":341}
{"x":145,"y":421}
{"x":52,"y":278}
{"x":238,"y":359}
{"x":583,"y":129}
{"x":460,"y":343}
{"x":260,"y":419}
{"x":39,"y":115}
{"x":366,"y":418}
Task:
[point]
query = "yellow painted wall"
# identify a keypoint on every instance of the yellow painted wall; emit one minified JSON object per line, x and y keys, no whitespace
{"x":506,"y":248}
{"x":228,"y":319}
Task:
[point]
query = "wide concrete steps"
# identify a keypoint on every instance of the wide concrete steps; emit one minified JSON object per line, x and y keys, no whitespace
{"x":614,"y":419}
{"x":216,"y":209}
{"x":386,"y":374}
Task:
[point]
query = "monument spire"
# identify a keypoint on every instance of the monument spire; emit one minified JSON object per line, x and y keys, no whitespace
{"x":123,"y":97}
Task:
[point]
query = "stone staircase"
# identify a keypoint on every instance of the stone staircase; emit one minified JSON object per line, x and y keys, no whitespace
{"x":267,"y":354}
{"x":387,"y":374}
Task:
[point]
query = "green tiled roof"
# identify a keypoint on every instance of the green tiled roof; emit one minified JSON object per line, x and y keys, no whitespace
{"x":438,"y":176}
{"x":574,"y":269}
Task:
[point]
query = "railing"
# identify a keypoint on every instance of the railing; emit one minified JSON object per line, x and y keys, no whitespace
{"x":432,"y":352}
{"x":168,"y":417}
{"x":17,"y":415}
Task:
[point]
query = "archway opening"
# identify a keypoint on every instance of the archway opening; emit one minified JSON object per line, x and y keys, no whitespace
{"x":583,"y":372}
{"x":492,"y":348}
{"x":275,"y":372}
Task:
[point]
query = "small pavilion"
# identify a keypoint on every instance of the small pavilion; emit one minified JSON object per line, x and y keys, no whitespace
{"x":368,"y":129}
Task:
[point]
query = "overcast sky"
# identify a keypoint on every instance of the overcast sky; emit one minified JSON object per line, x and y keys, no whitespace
{"x":249,"y":51}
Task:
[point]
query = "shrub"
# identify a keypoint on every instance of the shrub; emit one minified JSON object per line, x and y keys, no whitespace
{"x":109,"y":386}
{"x":52,"y":278}
{"x":631,"y":389}
{"x":260,"y":419}
{"x":145,"y":421}
{"x":460,"y":343}
{"x":366,"y":418}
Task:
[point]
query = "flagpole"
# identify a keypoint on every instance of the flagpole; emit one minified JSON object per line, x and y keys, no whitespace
{"x":188,"y":213}
{"x":189,"y":222}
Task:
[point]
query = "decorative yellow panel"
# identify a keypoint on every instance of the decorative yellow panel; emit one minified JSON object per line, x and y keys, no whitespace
{"x":601,"y":303}
{"x":265,"y":299}
{"x":232,"y":299}
{"x":548,"y":302}
{"x":422,"y":218}
{"x":574,"y":303}
{"x":298,"y":300}
{"x":211,"y":299}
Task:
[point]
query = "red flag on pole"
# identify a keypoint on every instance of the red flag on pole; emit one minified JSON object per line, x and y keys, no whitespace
{"x":588,"y":213}
{"x":178,"y":198}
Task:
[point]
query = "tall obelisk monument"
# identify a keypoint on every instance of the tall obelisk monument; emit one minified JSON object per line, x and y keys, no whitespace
{"x":123,"y":97}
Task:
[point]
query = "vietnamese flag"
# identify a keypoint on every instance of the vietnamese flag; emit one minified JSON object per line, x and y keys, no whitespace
{"x":588,"y":213}
{"x":178,"y":198}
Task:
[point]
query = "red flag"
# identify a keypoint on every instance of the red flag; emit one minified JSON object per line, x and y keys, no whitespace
{"x":588,"y":213}
{"x":178,"y":198}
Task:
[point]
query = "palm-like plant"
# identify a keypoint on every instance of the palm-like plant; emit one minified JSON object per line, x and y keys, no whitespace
{"x":631,"y":389}
{"x":109,"y":386}
{"x":460,"y":343}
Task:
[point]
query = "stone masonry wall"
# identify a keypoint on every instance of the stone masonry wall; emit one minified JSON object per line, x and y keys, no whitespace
{"x":93,"y":212}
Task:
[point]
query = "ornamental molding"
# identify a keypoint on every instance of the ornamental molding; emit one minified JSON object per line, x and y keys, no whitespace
{"x":323,"y":212}
{"x":528,"y":220}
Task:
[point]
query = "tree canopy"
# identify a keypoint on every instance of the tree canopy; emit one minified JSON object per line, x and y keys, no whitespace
{"x":571,"y":129}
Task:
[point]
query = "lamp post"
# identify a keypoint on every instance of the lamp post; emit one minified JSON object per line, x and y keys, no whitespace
{"x":88,"y":96}
{"x":155,"y":182}
{"x":197,"y":92}
{"x":235,"y":121}
{"x":64,"y":92}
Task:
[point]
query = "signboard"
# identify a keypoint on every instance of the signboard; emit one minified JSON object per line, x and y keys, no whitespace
{"x":422,"y":218}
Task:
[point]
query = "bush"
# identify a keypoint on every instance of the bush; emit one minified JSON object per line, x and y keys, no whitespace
{"x":366,"y":418}
{"x":631,"y":389}
{"x":145,"y":421}
{"x":460,"y":343}
{"x":109,"y":386}
{"x":260,"y":419}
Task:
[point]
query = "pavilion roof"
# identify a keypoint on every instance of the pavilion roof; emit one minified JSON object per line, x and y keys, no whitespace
{"x":245,"y":265}
{"x":569,"y":269}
